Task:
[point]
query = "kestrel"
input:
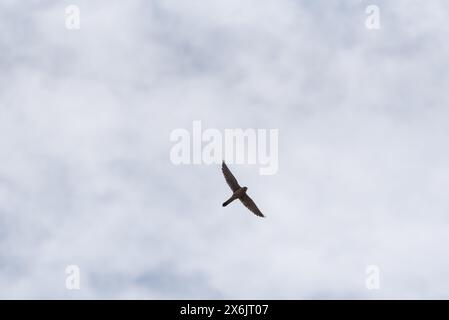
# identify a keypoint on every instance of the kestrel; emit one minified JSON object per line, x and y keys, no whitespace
{"x":238,"y":192}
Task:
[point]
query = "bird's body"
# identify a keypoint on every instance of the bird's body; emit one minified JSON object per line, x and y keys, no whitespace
{"x":236,"y":195}
{"x":238,"y":192}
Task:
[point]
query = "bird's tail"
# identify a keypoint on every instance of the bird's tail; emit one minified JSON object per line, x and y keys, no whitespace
{"x":227,"y":202}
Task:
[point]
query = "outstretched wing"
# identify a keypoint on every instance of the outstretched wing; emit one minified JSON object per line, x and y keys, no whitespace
{"x":249,"y":203}
{"x":230,"y":179}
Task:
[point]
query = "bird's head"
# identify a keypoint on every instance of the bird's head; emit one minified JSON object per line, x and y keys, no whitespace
{"x":245,"y":188}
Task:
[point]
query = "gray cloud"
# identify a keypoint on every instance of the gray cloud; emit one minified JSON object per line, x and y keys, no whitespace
{"x":85,"y":174}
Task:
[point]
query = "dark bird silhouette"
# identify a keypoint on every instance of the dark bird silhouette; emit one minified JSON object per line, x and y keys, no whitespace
{"x":238,"y":192}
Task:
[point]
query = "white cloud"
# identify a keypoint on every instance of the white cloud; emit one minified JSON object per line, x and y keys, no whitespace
{"x":86,"y":179}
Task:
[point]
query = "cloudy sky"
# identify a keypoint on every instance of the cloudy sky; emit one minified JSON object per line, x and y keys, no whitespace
{"x":85,"y":171}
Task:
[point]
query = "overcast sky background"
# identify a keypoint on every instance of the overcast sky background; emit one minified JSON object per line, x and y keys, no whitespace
{"x":86,"y":178}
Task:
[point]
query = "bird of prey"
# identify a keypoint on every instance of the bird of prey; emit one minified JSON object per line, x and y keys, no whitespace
{"x":238,"y":192}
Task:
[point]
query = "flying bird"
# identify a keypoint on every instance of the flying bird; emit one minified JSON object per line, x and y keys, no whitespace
{"x":238,"y":192}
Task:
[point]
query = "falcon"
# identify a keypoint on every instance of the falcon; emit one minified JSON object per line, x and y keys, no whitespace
{"x":238,"y":192}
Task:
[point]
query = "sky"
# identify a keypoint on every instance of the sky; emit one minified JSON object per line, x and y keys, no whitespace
{"x":86,"y":177}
